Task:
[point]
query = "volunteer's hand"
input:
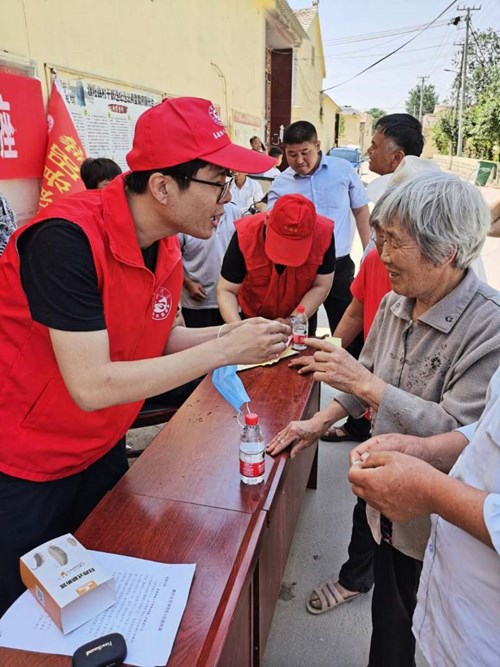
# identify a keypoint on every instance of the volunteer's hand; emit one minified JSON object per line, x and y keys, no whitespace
{"x":398,"y":485}
{"x":298,"y":434}
{"x":196,"y":291}
{"x":256,"y":340}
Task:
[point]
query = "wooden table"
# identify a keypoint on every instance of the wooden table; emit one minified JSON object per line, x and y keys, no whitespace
{"x":182,"y":501}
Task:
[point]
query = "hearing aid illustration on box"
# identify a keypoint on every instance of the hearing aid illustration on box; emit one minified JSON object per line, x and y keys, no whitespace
{"x":59,"y":555}
{"x":67,"y":581}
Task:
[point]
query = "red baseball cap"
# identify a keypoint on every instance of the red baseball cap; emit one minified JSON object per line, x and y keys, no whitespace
{"x":189,"y":128}
{"x":290,"y":230}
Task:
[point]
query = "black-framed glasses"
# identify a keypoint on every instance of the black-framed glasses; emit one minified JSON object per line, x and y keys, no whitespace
{"x":224,"y":187}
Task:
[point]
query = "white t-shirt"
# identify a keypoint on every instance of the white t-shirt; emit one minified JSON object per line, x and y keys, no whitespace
{"x":457,"y":619}
{"x":250,"y":193}
{"x":202,"y":258}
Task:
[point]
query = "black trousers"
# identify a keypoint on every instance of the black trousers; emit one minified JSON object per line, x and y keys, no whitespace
{"x":356,"y":574}
{"x":32,"y":513}
{"x":393,"y":604}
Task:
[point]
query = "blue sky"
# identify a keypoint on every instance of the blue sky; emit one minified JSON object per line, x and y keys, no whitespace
{"x":387,"y":85}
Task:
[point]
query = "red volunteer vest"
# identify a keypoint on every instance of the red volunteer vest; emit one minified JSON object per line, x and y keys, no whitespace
{"x":44,"y":435}
{"x":264,"y":292}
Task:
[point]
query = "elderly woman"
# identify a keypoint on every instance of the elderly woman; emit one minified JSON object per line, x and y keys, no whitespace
{"x":425,"y":367}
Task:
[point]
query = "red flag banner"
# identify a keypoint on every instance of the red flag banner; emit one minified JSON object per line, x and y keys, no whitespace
{"x":23,"y":134}
{"x":65,"y":152}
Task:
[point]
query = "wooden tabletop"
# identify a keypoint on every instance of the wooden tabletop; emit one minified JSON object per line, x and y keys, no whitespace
{"x":195,"y":458}
{"x":183,"y":502}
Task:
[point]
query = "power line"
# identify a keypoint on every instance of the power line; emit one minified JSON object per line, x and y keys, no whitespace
{"x":392,"y":52}
{"x":380,"y":35}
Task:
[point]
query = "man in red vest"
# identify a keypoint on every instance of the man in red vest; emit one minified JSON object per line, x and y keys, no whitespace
{"x":277,"y":260}
{"x":88,"y":293}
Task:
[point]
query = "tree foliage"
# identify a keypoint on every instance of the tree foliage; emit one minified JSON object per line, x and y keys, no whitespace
{"x":430,"y":99}
{"x":376,"y":114}
{"x":481,"y":126}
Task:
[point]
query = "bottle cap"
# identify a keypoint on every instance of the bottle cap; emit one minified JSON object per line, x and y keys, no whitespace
{"x":301,"y":309}
{"x":251,"y":419}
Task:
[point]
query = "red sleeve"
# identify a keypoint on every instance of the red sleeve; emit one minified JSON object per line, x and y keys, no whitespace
{"x":358,"y":285}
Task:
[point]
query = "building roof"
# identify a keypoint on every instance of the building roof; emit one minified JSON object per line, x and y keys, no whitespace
{"x":306,"y":16}
{"x":349,"y":110}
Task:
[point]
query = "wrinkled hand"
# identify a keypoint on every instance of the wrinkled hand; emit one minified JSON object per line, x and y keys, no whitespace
{"x":335,"y":366}
{"x":256,"y":340}
{"x":387,"y":442}
{"x":196,"y":291}
{"x":398,"y":485}
{"x":299,"y":434}
{"x":305,"y":364}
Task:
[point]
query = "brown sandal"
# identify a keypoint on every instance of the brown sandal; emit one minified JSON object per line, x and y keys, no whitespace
{"x":329,"y":598}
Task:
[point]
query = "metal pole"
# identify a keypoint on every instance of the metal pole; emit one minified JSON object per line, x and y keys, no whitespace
{"x":420,"y":113}
{"x":463,"y":81}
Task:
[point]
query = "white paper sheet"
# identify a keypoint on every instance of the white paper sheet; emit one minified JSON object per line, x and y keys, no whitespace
{"x":151,"y":600}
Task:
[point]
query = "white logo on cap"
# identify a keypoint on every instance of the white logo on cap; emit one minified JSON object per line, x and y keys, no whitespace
{"x":214,"y":115}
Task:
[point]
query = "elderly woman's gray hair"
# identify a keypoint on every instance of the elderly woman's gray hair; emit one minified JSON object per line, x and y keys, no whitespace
{"x":445,"y":215}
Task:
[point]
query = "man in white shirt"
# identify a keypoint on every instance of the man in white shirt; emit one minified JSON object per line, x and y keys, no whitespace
{"x":246,"y":193}
{"x":335,"y":189}
{"x":457,"y":619}
{"x":202,"y":261}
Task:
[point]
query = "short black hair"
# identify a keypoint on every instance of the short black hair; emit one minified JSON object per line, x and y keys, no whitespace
{"x":137,"y":181}
{"x":299,"y":132}
{"x":95,"y":170}
{"x":275,"y":151}
{"x":404,"y":130}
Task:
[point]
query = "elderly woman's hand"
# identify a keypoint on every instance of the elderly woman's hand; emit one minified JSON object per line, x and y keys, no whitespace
{"x":336,"y":367}
{"x":299,"y":434}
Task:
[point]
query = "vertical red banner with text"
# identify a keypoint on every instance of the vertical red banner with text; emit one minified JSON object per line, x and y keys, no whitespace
{"x":23,"y":133}
{"x":65,"y":153}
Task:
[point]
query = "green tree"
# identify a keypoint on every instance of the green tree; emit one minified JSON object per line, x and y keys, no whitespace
{"x":375,"y":113}
{"x":430,"y":99}
{"x":483,"y":55}
{"x":445,"y":132}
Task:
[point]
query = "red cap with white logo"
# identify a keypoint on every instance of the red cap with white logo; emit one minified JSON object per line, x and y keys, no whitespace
{"x":290,"y":230}
{"x":187,"y":128}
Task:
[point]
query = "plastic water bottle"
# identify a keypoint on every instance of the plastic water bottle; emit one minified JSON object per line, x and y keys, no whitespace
{"x":299,"y":329}
{"x":252,"y":451}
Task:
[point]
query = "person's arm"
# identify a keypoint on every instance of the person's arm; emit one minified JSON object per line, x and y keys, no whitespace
{"x":313,"y":299}
{"x":336,"y":367}
{"x":362,"y":217}
{"x":227,"y":298}
{"x":195,"y":290}
{"x":300,"y":435}
{"x":440,"y":451}
{"x":95,"y":382}
{"x":351,"y":323}
{"x":495,"y":219}
{"x":402,"y":487}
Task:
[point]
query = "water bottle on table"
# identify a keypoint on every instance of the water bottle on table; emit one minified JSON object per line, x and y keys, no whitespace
{"x":252,"y":451}
{"x":299,"y":328}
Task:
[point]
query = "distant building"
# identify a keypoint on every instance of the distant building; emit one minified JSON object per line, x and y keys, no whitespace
{"x":355,"y":128}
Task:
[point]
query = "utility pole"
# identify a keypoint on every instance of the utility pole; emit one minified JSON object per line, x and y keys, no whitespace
{"x":460,"y":139}
{"x":420,"y":113}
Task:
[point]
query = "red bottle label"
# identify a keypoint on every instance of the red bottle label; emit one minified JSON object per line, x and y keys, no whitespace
{"x":252,"y":469}
{"x":298,"y":339}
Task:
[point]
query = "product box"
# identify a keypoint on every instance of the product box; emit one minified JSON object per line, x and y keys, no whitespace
{"x":66,"y":580}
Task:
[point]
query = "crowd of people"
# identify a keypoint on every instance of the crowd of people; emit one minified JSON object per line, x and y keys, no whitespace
{"x":150,"y":279}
